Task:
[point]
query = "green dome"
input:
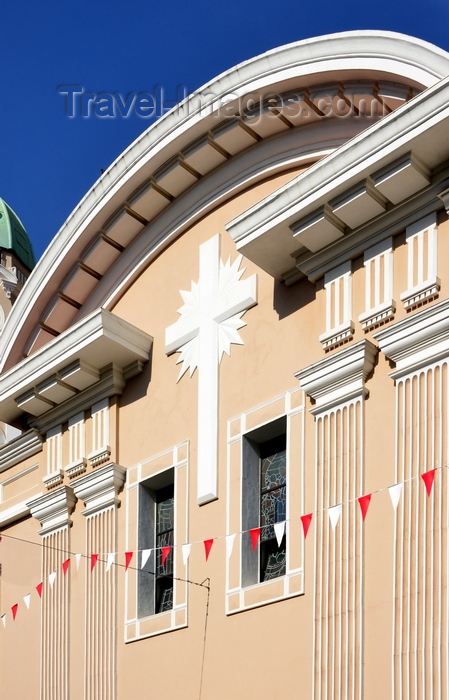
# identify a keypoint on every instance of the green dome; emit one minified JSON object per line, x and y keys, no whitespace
{"x":14,"y":237}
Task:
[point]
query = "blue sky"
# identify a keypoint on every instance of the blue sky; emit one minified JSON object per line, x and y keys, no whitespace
{"x":50,"y":161}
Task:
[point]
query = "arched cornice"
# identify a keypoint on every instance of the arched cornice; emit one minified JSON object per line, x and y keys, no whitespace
{"x":148,"y":180}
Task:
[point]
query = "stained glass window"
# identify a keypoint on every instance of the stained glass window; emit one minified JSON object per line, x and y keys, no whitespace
{"x":273,"y":498}
{"x":164,"y":538}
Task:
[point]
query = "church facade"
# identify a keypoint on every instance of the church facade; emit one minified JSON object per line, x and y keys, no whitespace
{"x":230,"y":376}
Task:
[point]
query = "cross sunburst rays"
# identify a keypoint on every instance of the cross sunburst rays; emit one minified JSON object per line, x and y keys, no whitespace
{"x":228,"y":329}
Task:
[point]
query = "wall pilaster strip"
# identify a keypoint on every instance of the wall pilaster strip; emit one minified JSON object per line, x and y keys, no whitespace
{"x":339,"y":578}
{"x":53,"y":511}
{"x":420,"y":650}
{"x":337,"y":385}
{"x":99,"y":491}
{"x":418,"y":347}
{"x":101,"y":640}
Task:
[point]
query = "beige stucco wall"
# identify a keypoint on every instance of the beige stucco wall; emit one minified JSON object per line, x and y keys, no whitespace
{"x":268,"y":651}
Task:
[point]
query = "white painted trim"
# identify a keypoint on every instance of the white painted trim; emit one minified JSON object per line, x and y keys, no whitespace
{"x":339,"y":377}
{"x":100,"y":339}
{"x":54,"y":478}
{"x":379,"y":314}
{"x":99,"y":489}
{"x":135,"y":478}
{"x":53,"y":510}
{"x":220,"y":296}
{"x":21,"y":447}
{"x":408,"y":127}
{"x":15,"y":477}
{"x":16,"y":512}
{"x":417,"y":340}
{"x":394,"y":55}
{"x":76,"y":468}
{"x":285,"y":400}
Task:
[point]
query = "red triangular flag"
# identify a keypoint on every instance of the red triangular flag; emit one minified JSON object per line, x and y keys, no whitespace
{"x":306,"y":520}
{"x":65,"y":566}
{"x":128,"y":557}
{"x":254,"y":534}
{"x":93,"y":561}
{"x":39,"y":588}
{"x":364,"y":502}
{"x":165,"y":553}
{"x":207,"y":547}
{"x":14,"y":610}
{"x":428,"y":478}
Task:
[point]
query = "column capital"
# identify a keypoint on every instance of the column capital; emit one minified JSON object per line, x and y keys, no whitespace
{"x":53,"y":510}
{"x":417,"y":340}
{"x":339,"y":377}
{"x":99,"y":489}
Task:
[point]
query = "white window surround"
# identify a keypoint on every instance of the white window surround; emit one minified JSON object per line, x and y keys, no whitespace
{"x":175,"y":462}
{"x":379,"y":303}
{"x":338,"y":290}
{"x":259,"y":443}
{"x":239,"y":597}
{"x":147,"y":579}
{"x":422,"y":259}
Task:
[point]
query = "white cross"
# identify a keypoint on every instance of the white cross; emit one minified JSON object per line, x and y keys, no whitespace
{"x":209,"y":323}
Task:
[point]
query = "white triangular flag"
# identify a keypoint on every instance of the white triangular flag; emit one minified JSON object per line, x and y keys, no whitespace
{"x":145,"y":556}
{"x":51,"y":579}
{"x":3,"y":619}
{"x":186,"y":553}
{"x":279,"y":529}
{"x":395,"y":494}
{"x":110,"y":560}
{"x":27,"y":599}
{"x":229,"y":544}
{"x":77,"y":561}
{"x":334,"y":515}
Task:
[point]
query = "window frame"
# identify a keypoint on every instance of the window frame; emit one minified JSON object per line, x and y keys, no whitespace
{"x":147,"y":578}
{"x":143,"y":479}
{"x":243,"y":588}
{"x":252,"y":448}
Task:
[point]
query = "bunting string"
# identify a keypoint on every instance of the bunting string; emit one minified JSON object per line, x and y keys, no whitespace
{"x":110,"y":558}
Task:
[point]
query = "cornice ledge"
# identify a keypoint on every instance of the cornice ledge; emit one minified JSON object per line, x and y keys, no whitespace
{"x":99,"y":489}
{"x":53,"y":510}
{"x":111,"y":383}
{"x":17,"y":512}
{"x":100,"y":339}
{"x":339,"y":377}
{"x":333,"y":176}
{"x":418,"y":340}
{"x":18,"y":449}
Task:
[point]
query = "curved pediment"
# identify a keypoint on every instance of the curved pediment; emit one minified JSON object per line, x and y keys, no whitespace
{"x":279,"y":112}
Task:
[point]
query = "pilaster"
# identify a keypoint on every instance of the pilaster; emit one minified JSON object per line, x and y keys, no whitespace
{"x":99,"y":491}
{"x":337,"y":388}
{"x":418,"y":346}
{"x":53,"y":510}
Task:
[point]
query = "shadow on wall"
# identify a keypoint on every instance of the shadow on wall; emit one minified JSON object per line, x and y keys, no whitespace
{"x":136,"y":388}
{"x":287,"y":300}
